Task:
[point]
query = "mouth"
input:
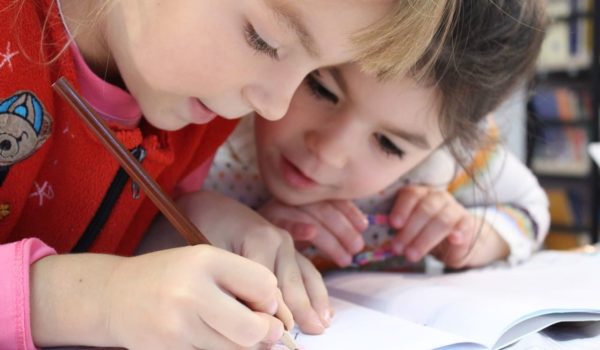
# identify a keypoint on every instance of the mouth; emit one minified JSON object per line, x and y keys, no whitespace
{"x":294,"y":176}
{"x":199,"y":113}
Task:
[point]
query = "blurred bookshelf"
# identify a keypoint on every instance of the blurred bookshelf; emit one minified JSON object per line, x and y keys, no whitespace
{"x":563,"y":112}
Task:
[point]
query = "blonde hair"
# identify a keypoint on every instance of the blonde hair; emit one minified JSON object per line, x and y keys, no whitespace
{"x":15,"y":7}
{"x":393,"y":47}
{"x":390,"y":48}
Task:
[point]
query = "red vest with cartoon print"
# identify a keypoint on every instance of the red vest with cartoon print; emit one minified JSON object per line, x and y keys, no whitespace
{"x":57,"y":181}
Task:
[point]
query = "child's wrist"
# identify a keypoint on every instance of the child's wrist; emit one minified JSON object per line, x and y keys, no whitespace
{"x":489,"y":246}
{"x":68,"y":303}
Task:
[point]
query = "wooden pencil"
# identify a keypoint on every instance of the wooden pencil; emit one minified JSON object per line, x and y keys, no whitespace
{"x":165,"y":204}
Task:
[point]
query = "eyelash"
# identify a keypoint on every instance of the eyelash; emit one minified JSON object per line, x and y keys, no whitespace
{"x":258,"y":43}
{"x":319,"y":91}
{"x":387,"y":146}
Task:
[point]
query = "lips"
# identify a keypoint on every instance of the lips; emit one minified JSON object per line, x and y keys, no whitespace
{"x":294,"y":176}
{"x":199,"y":113}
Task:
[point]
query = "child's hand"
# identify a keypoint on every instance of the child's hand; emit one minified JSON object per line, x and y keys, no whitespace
{"x":233,"y":226}
{"x":334,"y":227}
{"x":193,"y":297}
{"x":486,"y":246}
{"x":432,"y":221}
{"x":197,"y":297}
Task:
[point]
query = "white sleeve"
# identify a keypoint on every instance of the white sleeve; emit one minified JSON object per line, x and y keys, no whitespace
{"x":509,"y":197}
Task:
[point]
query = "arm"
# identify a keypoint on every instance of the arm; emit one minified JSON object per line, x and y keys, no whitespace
{"x":184,"y":297}
{"x":15,"y":259}
{"x":510,"y":200}
{"x":157,"y":299}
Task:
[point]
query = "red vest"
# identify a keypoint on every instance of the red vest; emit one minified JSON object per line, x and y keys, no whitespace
{"x":57,"y":180}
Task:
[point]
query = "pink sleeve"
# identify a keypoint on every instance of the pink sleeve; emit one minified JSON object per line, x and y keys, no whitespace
{"x":15,"y":259}
{"x":194,"y":180}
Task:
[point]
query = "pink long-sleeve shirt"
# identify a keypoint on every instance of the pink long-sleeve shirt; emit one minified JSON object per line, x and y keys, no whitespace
{"x":116,"y":106}
{"x":15,"y":260}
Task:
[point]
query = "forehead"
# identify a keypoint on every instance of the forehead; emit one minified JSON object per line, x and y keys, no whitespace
{"x":332,"y":24}
{"x":401,"y":103}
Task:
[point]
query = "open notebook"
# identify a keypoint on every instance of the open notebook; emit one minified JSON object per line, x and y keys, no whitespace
{"x":479,"y":309}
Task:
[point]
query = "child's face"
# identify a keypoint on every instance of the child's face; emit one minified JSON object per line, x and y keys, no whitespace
{"x":346,"y":136}
{"x":187,"y":60}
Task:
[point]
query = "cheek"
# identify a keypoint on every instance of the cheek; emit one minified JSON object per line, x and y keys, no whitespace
{"x":269,"y":142}
{"x":192,"y":56}
{"x":373,"y":177}
{"x":282,"y":131}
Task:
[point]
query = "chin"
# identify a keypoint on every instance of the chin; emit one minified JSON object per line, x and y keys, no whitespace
{"x":170,"y":125}
{"x":293,"y":198}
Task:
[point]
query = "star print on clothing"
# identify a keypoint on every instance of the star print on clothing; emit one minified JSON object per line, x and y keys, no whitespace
{"x":7,"y":57}
{"x":43,"y":192}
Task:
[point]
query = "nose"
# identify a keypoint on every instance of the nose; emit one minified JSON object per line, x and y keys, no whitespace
{"x":5,"y":145}
{"x":330,"y":145}
{"x":272,"y":95}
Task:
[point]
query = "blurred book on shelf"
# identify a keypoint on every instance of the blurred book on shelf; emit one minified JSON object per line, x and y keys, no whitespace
{"x":562,"y":120}
{"x":561,"y":150}
{"x":569,"y":37}
{"x":566,"y":240}
{"x":566,"y":207}
{"x":561,"y":103}
{"x":562,"y":114}
{"x":570,"y":218}
{"x":564,"y":8}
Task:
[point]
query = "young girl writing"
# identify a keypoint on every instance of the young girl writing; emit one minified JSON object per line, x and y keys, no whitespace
{"x":348,"y":136}
{"x":178,"y":64}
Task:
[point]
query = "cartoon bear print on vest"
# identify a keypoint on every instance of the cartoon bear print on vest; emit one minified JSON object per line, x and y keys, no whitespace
{"x":24,"y":127}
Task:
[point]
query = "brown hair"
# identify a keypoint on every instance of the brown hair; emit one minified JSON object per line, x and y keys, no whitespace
{"x":492,"y":47}
{"x":391,"y":47}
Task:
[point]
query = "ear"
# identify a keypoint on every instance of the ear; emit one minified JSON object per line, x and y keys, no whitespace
{"x":6,"y":104}
{"x":45,"y":131}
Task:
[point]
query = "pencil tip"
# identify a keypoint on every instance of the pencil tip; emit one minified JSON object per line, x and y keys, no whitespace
{"x":288,"y":341}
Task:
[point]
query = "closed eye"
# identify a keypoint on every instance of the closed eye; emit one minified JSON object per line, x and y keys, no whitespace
{"x":319,"y":91}
{"x":387,"y":146}
{"x":23,"y":134}
{"x":259,"y":44}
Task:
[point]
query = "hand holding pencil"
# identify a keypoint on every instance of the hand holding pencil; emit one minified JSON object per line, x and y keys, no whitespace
{"x":187,"y":296}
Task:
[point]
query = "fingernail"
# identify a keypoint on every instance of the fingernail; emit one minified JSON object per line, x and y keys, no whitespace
{"x":345,"y":261}
{"x":363,"y":223}
{"x":272,"y":308}
{"x":412,"y":255}
{"x":275,"y":333}
{"x":357,"y":245}
{"x":317,"y":327}
{"x":315,"y":322}
{"x":397,"y":221}
{"x":457,"y":237}
{"x":326,"y":317}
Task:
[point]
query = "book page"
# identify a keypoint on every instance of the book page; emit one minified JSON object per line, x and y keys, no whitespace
{"x":480,"y":305}
{"x":356,"y":327}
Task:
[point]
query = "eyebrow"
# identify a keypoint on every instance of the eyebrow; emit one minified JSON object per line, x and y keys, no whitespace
{"x":413,"y":138}
{"x":416,"y":139}
{"x":290,"y":17}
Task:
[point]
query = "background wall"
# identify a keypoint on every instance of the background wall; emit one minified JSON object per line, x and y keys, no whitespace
{"x":511,"y":119}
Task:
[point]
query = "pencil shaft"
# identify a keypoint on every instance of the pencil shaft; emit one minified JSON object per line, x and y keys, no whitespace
{"x":152,"y":189}
{"x":288,"y":341}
